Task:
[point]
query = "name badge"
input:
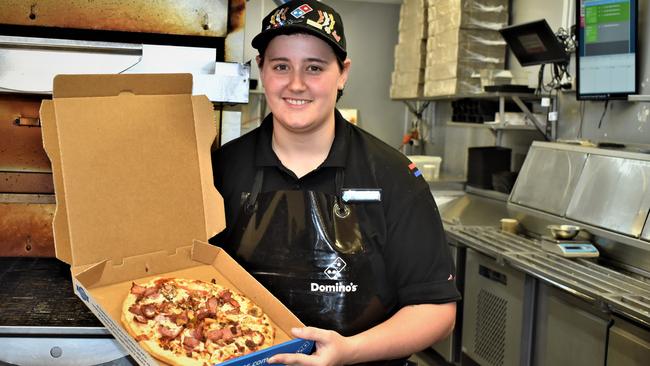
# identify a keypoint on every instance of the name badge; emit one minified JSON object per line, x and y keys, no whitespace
{"x":361,"y":195}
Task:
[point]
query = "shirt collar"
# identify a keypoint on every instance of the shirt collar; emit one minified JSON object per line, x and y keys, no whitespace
{"x":265,"y":156}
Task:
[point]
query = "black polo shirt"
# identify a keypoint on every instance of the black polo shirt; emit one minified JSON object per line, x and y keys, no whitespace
{"x":405,"y":225}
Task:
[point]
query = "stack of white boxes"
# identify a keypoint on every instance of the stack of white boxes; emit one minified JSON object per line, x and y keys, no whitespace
{"x":410,"y":51}
{"x":463,"y":38}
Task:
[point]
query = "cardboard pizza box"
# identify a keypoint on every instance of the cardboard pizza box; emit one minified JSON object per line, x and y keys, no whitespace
{"x":135,"y":196}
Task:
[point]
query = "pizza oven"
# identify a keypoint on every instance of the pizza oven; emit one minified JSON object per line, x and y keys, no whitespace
{"x":42,"y":322}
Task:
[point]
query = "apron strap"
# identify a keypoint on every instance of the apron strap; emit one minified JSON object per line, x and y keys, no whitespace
{"x":341,"y":209}
{"x":255,"y":190}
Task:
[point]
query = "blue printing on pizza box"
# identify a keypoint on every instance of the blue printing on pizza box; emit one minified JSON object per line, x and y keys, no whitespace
{"x":260,"y":358}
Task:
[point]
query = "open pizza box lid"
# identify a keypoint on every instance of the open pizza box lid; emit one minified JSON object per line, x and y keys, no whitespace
{"x":135,"y":195}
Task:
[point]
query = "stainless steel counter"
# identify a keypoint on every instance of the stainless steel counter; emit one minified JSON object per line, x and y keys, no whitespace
{"x":617,"y":291}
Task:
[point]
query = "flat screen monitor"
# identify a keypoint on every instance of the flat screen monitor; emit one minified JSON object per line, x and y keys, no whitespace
{"x":534,"y":43}
{"x":607,"y":56}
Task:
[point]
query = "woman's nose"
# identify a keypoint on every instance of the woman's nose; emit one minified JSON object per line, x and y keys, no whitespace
{"x":297,"y":82}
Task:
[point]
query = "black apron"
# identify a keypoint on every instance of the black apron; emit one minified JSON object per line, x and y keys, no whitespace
{"x":307,"y":248}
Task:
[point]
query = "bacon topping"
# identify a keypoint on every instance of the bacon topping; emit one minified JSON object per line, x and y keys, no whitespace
{"x":142,"y":337}
{"x":149,"y":310}
{"x":197,"y":332}
{"x":169,"y":333}
{"x":137,"y":289}
{"x":135,"y":309}
{"x":227,"y":334}
{"x":140,"y":319}
{"x":151,"y":291}
{"x":179,"y":319}
{"x":191,"y":342}
{"x":213,"y":303}
{"x":202,"y":313}
{"x":250,"y":344}
{"x":215,"y":335}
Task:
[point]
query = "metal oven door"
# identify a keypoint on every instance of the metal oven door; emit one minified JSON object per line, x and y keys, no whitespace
{"x":568,"y":330}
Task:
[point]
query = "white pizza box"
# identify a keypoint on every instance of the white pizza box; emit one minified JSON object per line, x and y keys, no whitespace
{"x":135,"y":196}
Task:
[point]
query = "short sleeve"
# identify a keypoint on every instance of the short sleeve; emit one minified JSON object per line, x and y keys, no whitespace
{"x":418,"y":258}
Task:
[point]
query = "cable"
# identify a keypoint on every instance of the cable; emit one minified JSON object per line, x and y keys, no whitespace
{"x":132,"y":66}
{"x":603,"y":115}
{"x":582,"y":117}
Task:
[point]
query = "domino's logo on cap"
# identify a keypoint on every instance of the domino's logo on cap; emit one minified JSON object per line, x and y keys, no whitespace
{"x":300,"y":11}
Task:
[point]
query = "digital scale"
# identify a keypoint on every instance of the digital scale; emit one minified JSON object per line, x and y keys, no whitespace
{"x":570,"y":248}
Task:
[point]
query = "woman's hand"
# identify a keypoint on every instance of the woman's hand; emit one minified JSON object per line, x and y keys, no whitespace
{"x":331,"y":349}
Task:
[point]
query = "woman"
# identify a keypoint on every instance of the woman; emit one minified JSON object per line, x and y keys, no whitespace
{"x":334,"y":222}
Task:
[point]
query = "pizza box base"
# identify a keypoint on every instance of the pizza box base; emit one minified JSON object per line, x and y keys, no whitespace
{"x":103,"y":288}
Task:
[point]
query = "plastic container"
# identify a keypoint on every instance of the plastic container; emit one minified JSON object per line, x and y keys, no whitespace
{"x":428,"y":165}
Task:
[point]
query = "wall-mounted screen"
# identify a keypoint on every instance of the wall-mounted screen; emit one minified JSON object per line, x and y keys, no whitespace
{"x":607,"y":57}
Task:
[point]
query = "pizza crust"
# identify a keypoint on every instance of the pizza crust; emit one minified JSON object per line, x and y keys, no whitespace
{"x":236,"y":323}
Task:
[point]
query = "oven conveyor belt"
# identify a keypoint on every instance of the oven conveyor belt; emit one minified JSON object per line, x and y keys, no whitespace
{"x":37,"y":292}
{"x":584,"y":278}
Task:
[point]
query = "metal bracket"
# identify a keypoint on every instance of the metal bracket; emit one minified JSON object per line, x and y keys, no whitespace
{"x":638,"y":98}
{"x":27,"y":121}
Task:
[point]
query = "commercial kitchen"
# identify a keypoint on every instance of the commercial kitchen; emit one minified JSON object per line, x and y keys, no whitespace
{"x":529,"y":120}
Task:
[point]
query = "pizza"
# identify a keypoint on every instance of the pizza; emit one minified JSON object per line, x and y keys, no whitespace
{"x":192,"y":322}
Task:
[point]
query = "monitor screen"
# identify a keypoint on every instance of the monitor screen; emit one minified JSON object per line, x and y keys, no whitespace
{"x":606,"y":58}
{"x":534,"y":43}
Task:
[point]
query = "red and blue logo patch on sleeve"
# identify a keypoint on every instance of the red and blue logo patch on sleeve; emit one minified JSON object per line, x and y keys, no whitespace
{"x":414,"y":169}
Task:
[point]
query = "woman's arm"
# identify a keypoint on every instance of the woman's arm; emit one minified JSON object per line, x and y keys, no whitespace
{"x":412,"y":329}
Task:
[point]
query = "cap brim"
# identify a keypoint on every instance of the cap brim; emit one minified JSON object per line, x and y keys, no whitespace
{"x":263,"y":38}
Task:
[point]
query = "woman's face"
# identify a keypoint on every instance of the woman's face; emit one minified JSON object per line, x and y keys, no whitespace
{"x":301,"y":77}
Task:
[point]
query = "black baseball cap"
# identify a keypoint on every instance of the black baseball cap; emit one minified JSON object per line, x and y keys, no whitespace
{"x":304,"y":16}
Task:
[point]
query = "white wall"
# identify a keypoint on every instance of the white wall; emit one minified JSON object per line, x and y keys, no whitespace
{"x":625,"y":122}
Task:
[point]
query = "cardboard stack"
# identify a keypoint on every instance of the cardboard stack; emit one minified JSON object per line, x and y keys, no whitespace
{"x":410,"y":51}
{"x":463,"y":38}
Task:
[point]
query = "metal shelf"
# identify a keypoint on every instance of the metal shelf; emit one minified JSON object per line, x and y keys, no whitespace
{"x":492,"y":126}
{"x":474,"y":96}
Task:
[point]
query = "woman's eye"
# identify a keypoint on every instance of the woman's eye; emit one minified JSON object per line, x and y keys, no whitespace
{"x":280,"y":67}
{"x":314,"y":68}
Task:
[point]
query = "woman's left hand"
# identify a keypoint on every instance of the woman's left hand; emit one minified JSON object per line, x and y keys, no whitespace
{"x":331,"y":349}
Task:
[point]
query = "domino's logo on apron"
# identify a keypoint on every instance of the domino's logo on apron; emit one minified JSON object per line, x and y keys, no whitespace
{"x":333,"y":272}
